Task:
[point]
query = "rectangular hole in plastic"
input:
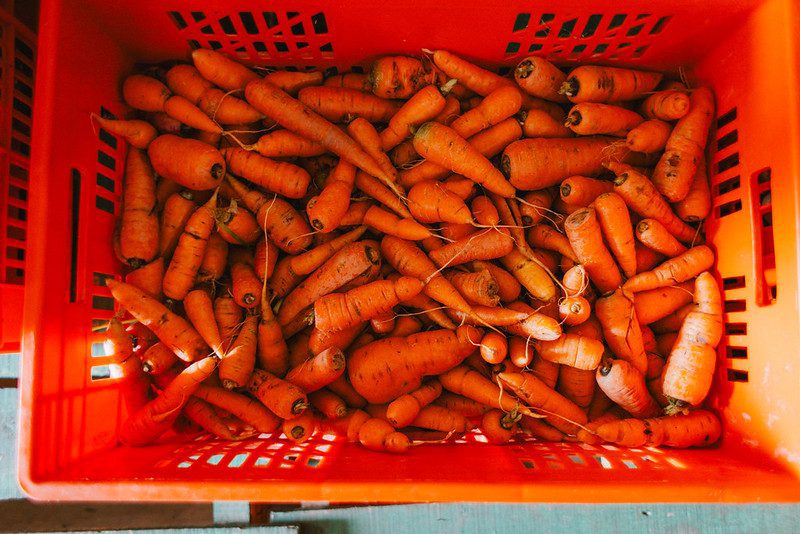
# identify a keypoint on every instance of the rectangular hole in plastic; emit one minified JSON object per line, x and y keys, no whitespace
{"x":535,"y":47}
{"x":108,"y":139}
{"x":98,"y":350}
{"x":75,"y":187}
{"x":20,"y":127}
{"x":728,"y":185}
{"x":297,"y":29}
{"x":281,"y":47}
{"x":544,"y":19}
{"x":629,"y":464}
{"x":639,"y":52}
{"x":106,"y":160}
{"x":616,"y":21}
{"x":20,"y":148}
{"x":576,"y":459}
{"x":239,"y":459}
{"x":177,"y":18}
{"x":728,"y":162}
{"x":262,"y":461}
{"x":528,"y":464}
{"x":215,"y":459}
{"x":735,"y":306}
{"x":22,"y":67}
{"x":249,"y":22}
{"x":765,"y":199}
{"x":761,"y":201}
{"x":215,"y":45}
{"x":22,"y":48}
{"x":270,"y":18}
{"x":634,"y":30}
{"x":314,"y":461}
{"x":736,"y":329}
{"x":658,"y":26}
{"x":105,"y":182}
{"x":599,"y":49}
{"x":728,"y":208}
{"x":101,"y":372}
{"x":726,"y":118}
{"x":566,"y":28}
{"x":103,"y":204}
{"x":319,"y":23}
{"x":736,"y":353}
{"x":512,"y":48}
{"x":100,"y":302}
{"x":227,"y":25}
{"x":603,"y":461}
{"x":735,"y":375}
{"x":99,"y":279}
{"x":591,"y":25}
{"x":728,"y":139}
{"x":733,"y":282}
{"x":578,"y":49}
{"x":521,"y":22}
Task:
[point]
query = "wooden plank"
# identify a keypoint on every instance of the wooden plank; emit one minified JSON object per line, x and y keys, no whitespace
{"x":522,"y":519}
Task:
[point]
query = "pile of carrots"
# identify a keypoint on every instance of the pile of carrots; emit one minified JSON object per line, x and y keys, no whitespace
{"x":399,"y":256}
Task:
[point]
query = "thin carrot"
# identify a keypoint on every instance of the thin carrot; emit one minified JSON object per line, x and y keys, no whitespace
{"x":666,"y":105}
{"x":464,"y":381}
{"x":228,"y":315}
{"x":369,"y":139}
{"x":697,"y":203}
{"x":673,"y":271}
{"x":592,"y":118}
{"x":475,"y":78}
{"x":388,"y":223}
{"x":221,"y":70}
{"x":189,"y":162}
{"x":248,"y":410}
{"x":283,"y":398}
{"x":292,"y":82}
{"x":649,"y":136}
{"x":690,"y":367}
{"x":308,"y":262}
{"x":238,"y":363}
{"x":285,"y":144}
{"x":530,"y":274}
{"x":148,"y":278}
{"x":425,"y":105}
{"x":585,"y":236}
{"x":137,"y":133}
{"x":546,"y":237}
{"x":295,"y":116}
{"x":615,"y":222}
{"x":376,"y":189}
{"x":399,"y":76}
{"x":200,"y":311}
{"x":559,"y":411}
{"x":327,"y":209}
{"x":355,"y":213}
{"x":431,"y":310}
{"x":177,"y":210}
{"x":443,"y":146}
{"x":590,"y":83}
{"x":156,"y":417}
{"x":654,"y":235}
{"x":540,"y":78}
{"x":485,"y":244}
{"x":340,"y":104}
{"x":181,"y":109}
{"x":621,"y":328}
{"x":675,"y":170}
{"x":699,"y":428}
{"x":642,"y":197}
{"x":279,"y":177}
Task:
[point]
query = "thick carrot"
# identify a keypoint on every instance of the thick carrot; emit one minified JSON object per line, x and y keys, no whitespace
{"x":673,"y":321}
{"x":439,"y":418}
{"x":641,"y":196}
{"x":320,"y":340}
{"x":228,"y":315}
{"x":624,"y":385}
{"x":539,"y":163}
{"x":697,"y":203}
{"x":283,"y":398}
{"x":385,"y":369}
{"x":585,"y":236}
{"x":654,"y":235}
{"x":237,"y":225}
{"x":286,"y":144}
{"x":328,"y":403}
{"x":615,"y":222}
{"x":138,"y":240}
{"x":441,"y":145}
{"x":295,"y":116}
{"x":431,"y":202}
{"x":559,"y":411}
{"x":189,"y":162}
{"x":200,"y":311}
{"x":285,"y":226}
{"x":543,"y":123}
{"x":338,"y":311}
{"x":156,"y":417}
{"x":469,"y":383}
{"x":657,"y":303}
{"x":673,"y":271}
{"x":378,"y":435}
{"x":293,"y":82}
{"x":487,"y":244}
{"x":248,"y":410}
{"x":319,"y":371}
{"x":327,"y":209}
{"x":508,"y":288}
{"x":137,"y":133}
{"x":540,"y":78}
{"x":649,"y":136}
{"x":350,"y":80}
{"x":591,"y":118}
{"x":547,"y":237}
{"x":498,"y":105}
{"x":494,"y":347}
{"x":276,"y":176}
{"x":399,"y":76}
{"x":690,"y":366}
{"x":238,"y":363}
{"x":695,"y":429}
{"x":666,"y":105}
{"x":389,"y":223}
{"x":478,"y":287}
{"x":574,"y":310}
{"x":177,"y":210}
{"x":573,"y":350}
{"x":221,"y":70}
{"x":425,"y":105}
{"x":621,"y":328}
{"x":577,"y":385}
{"x":145,"y":93}
{"x":590,"y":83}
{"x":188,"y":256}
{"x":582,"y":191}
{"x":534,"y":206}
{"x":308,"y":262}
{"x":531,"y":274}
{"x":676,"y":169}
{"x":148,"y":278}
{"x":340,"y":104}
{"x":266,"y":256}
{"x":403,"y":410}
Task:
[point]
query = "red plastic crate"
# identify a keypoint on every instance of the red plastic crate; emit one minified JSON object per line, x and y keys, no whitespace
{"x":17,"y":61}
{"x":746,"y":50}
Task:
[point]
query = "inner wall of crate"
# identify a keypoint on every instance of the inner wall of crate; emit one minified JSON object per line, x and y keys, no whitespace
{"x":79,"y":405}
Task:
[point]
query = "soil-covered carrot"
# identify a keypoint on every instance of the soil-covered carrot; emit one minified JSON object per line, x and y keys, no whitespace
{"x":387,"y":368}
{"x":399,"y":76}
{"x":649,"y":136}
{"x":666,"y":105}
{"x":621,"y":328}
{"x":699,"y":428}
{"x":283,"y":398}
{"x":690,"y":366}
{"x":673,"y":271}
{"x":138,"y":238}
{"x":696,"y":205}
{"x":585,"y":236}
{"x":590,"y":83}
{"x":591,"y":118}
{"x":189,"y":162}
{"x":676,"y":169}
{"x":540,"y":78}
{"x":279,"y":177}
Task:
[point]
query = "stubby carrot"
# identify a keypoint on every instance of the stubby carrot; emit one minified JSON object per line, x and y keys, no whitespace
{"x":590,"y":83}
{"x":189,"y":162}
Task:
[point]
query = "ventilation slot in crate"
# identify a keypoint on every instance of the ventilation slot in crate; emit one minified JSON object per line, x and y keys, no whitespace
{"x":766,"y":276}
{"x":620,"y":36}
{"x":725,"y":179}
{"x":258,"y":37}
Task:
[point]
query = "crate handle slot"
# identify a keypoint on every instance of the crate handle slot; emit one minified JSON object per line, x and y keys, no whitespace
{"x":766,"y":286}
{"x":75,"y":210}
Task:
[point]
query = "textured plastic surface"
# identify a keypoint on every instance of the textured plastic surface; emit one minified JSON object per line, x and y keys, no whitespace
{"x":17,"y":61}
{"x":70,"y":412}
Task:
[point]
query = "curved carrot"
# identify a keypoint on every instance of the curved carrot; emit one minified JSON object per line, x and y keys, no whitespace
{"x":326,"y":210}
{"x":649,"y":136}
{"x":530,"y":274}
{"x":221,"y":70}
{"x":498,"y":105}
{"x":615,"y":222}
{"x":430,"y":202}
{"x":546,"y":237}
{"x":177,"y":210}
{"x":369,"y":139}
{"x":191,"y":163}
{"x":200,"y":311}
{"x":584,"y":233}
{"x":621,"y":328}
{"x":666,"y":105}
{"x":696,"y":205}
{"x":657,"y":303}
{"x":404,"y":409}
{"x":425,"y":105}
{"x":137,"y":133}
{"x":388,"y":223}
{"x":673,"y":271}
{"x":540,"y":78}
{"x":573,"y":350}
{"x":276,"y":176}
{"x":471,"y":76}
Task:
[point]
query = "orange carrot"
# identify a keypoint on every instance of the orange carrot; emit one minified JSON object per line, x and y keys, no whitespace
{"x":369,"y":139}
{"x":452,"y":108}
{"x":471,"y":76}
{"x":137,"y":133}
{"x":266,"y":257}
{"x":215,"y":259}
{"x":181,"y":109}
{"x":621,"y":328}
{"x":646,"y":258}
{"x":582,"y":191}
{"x":221,"y":70}
{"x":436,"y":417}
{"x":388,"y":223}
{"x":200,"y":311}
{"x":237,"y":225}
{"x":430,"y":202}
{"x":612,"y":214}
{"x":573,"y":350}
{"x":535,"y":206}
{"x":464,"y":381}
{"x":690,"y":367}
{"x":238,"y":363}
{"x":403,"y":410}
{"x":676,"y":169}
{"x":498,"y":105}
{"x":654,"y":235}
{"x":283,"y":398}
{"x":697,"y":203}
{"x":443,"y":146}
{"x":574,"y":310}
{"x":276,"y":176}
{"x":156,"y":417}
{"x":378,"y":435}
{"x":543,"y":236}
{"x":385,"y":369}
{"x":543,"y":123}
{"x":188,"y":256}
{"x":355,"y":213}
{"x":673,"y":271}
{"x":559,"y":411}
{"x":245,"y":284}
{"x":649,"y":136}
{"x":498,"y":427}
{"x":308,"y":262}
{"x":673,"y":321}
{"x":138,"y":240}
{"x":292,"y":82}
{"x":177,"y":210}
{"x":487,"y":244}
{"x":642,"y":197}
{"x":540,"y":430}
{"x":459,"y":404}
{"x":148,"y":278}
{"x":494,"y":347}
{"x":295,"y":116}
{"x":350,"y":80}
{"x":591,"y":118}
{"x":478,"y":288}
{"x":624,"y":385}
{"x":667,"y":105}
{"x":584,"y":233}
{"x":319,"y":371}
{"x":340,"y":104}
{"x":531,"y":274}
{"x":191,"y":163}
{"x":575,"y":281}
{"x":248,"y":410}
{"x":285,"y":144}
{"x":399,"y":76}
{"x":507,"y":287}
{"x":327,"y":209}
{"x":228,"y":315}
{"x":577,"y":385}
{"x":328,"y":403}
{"x":145,"y":93}
{"x":657,"y":303}
{"x":285,"y":226}
{"x":425,"y":105}
{"x":540,"y":78}
{"x":590,"y":83}
{"x":377,"y":190}
{"x":300,"y":428}
{"x":432,"y":310}
{"x":695,"y":429}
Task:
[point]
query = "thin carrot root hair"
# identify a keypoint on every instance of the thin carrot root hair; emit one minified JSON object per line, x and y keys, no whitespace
{"x":301,"y":236}
{"x":445,"y":439}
